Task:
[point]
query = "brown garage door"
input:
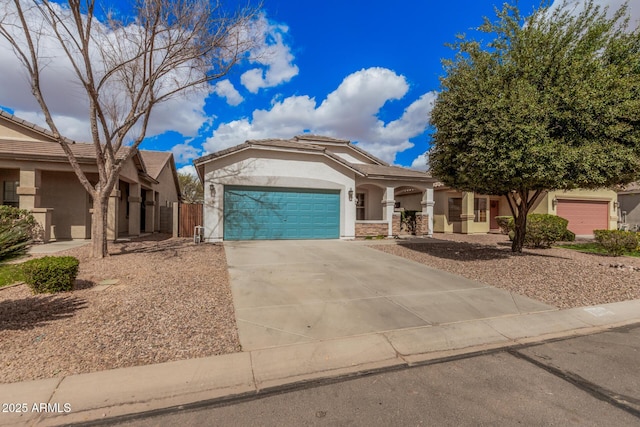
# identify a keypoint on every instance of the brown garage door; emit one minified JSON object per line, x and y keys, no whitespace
{"x":584,"y":216}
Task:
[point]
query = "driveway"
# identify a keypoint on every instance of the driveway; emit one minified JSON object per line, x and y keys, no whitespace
{"x":289,"y":292}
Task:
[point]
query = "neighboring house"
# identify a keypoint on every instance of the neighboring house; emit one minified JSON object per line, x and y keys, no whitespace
{"x":629,"y":206}
{"x":36,"y":175}
{"x":468,"y":213}
{"x":308,"y":187}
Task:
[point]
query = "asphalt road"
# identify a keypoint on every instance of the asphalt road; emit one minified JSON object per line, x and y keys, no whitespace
{"x":589,"y":380}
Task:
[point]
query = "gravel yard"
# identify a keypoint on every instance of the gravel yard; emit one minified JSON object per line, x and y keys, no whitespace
{"x":172,"y":301}
{"x":560,"y":277}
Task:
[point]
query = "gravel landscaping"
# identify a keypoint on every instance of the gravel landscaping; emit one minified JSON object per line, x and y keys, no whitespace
{"x":560,"y":277}
{"x":172,"y":301}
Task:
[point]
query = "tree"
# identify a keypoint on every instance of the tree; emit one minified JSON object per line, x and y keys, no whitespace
{"x":190,"y":188}
{"x":126,"y":64}
{"x":552,"y":102}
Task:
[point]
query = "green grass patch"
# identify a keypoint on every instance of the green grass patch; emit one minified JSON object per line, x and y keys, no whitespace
{"x":10,"y":274}
{"x":593,"y":248}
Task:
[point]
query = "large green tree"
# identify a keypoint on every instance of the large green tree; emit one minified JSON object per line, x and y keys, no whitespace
{"x":551,"y":102}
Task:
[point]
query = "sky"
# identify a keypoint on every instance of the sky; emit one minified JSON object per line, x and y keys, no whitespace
{"x":363,"y":70}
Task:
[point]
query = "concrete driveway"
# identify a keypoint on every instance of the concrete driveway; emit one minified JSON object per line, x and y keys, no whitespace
{"x":289,"y":292}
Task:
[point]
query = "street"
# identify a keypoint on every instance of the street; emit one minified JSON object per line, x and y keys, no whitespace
{"x":588,"y":380}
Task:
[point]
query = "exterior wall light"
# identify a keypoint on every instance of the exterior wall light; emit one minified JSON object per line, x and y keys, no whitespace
{"x":212,"y":190}
{"x":554,"y":202}
{"x":351,"y":194}
{"x":616,"y":205}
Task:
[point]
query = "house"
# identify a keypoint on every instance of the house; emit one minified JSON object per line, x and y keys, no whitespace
{"x":469,"y":213}
{"x":629,"y":206}
{"x":308,"y":187}
{"x":36,"y":175}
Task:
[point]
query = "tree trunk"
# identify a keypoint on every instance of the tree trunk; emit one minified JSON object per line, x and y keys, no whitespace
{"x":99,"y":227}
{"x":520,"y":229}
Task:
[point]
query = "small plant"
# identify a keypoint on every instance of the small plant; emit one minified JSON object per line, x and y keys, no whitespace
{"x":543,"y":230}
{"x":504,"y":223}
{"x":616,"y":242}
{"x":50,"y":274}
{"x":18,"y":228}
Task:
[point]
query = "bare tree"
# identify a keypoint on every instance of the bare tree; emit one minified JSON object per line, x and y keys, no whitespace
{"x":126,"y":66}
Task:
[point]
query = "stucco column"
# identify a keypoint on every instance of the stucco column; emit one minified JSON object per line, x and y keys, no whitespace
{"x":427,"y":204}
{"x":29,"y":189}
{"x":467,"y":216}
{"x":112,"y":214}
{"x":150,"y":212}
{"x":134,"y":209}
{"x":388,"y":205}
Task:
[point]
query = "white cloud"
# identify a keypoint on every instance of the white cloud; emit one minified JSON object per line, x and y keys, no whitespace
{"x":350,"y":111}
{"x":225,"y":89}
{"x":184,"y":153}
{"x":420,"y":162}
{"x":67,"y":99}
{"x":633,"y":7}
{"x":188,"y":170}
{"x":273,"y":56}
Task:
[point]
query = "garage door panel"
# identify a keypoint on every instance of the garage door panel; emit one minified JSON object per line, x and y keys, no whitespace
{"x":584,"y":216}
{"x":280,"y":213}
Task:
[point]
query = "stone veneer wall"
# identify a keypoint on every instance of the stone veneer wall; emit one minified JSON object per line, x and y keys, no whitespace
{"x":422,"y":224}
{"x":364,"y":229}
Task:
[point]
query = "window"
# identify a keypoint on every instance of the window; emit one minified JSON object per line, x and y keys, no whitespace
{"x":10,"y":194}
{"x":360,"y":206}
{"x":479,"y":210}
{"x":455,"y":208}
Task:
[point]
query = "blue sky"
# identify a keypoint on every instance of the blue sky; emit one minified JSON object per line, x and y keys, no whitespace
{"x":361,"y":70}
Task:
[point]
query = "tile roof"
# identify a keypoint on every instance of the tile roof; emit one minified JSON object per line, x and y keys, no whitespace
{"x":155,"y":161}
{"x":16,"y":149}
{"x":391,"y":171}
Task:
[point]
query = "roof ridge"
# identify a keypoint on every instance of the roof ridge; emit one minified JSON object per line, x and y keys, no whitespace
{"x":32,"y":126}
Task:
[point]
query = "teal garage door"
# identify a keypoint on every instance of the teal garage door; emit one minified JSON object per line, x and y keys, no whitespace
{"x":259,"y":213}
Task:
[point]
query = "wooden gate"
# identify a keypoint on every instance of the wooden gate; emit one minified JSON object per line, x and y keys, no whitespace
{"x":190,"y":215}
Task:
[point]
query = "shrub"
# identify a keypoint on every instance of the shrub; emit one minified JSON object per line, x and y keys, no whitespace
{"x":50,"y":274}
{"x":569,"y":236}
{"x":543,"y":230}
{"x":616,"y":242}
{"x":17,"y":230}
{"x":504,"y":223}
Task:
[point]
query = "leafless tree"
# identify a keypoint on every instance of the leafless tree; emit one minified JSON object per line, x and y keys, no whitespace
{"x":126,"y":64}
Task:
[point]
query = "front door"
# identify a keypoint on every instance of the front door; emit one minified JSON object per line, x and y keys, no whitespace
{"x":494,"y":211}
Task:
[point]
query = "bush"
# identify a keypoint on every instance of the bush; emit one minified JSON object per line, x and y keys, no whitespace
{"x":616,"y":242}
{"x":543,"y":230}
{"x":50,"y":274}
{"x":18,"y":228}
{"x":504,"y":223}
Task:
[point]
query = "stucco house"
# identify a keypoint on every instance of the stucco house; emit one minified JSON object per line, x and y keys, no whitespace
{"x":308,"y":187}
{"x":629,"y":206}
{"x":35,"y":175}
{"x":470,"y":213}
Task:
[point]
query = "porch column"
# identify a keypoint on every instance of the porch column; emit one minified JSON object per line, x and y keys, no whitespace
{"x":29,"y":189}
{"x":112,"y":214}
{"x":427,"y":204}
{"x":388,"y":205}
{"x":467,"y":212}
{"x":150,"y":212}
{"x":134,"y":209}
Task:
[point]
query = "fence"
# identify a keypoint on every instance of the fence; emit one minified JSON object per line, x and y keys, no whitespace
{"x":190,"y":215}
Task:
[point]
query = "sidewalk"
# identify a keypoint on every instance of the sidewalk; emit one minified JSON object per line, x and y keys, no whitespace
{"x":58,"y":246}
{"x":99,"y":395}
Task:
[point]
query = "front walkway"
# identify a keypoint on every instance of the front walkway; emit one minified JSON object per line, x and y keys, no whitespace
{"x":293,"y":292}
{"x":58,"y":246}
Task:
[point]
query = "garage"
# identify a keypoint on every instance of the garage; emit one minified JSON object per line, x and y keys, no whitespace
{"x":268,"y":213}
{"x":584,"y":216}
